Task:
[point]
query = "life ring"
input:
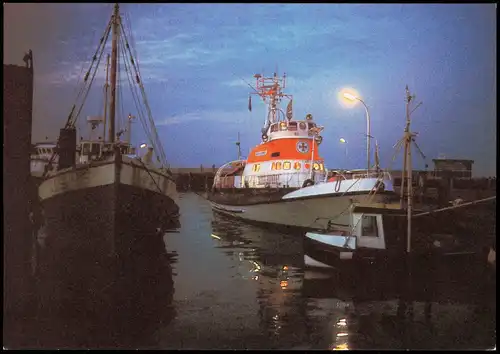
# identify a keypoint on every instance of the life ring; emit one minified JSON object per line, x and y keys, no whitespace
{"x":307,"y":183}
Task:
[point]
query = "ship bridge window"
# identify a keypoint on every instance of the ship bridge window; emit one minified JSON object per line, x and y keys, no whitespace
{"x":274,"y":127}
{"x":276,"y":165}
{"x":292,"y":126}
{"x":275,"y":154}
{"x":96,"y":148}
{"x":369,"y":226}
{"x":318,"y":167}
{"x":256,"y":167}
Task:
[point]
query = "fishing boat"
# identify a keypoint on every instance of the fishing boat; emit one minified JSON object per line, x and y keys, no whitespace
{"x":378,"y":238}
{"x":284,"y":181}
{"x":385,"y":234}
{"x":107,"y":196}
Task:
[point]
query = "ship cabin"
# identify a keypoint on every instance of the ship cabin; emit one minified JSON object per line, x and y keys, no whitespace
{"x":287,"y":157}
{"x":91,"y":150}
{"x":41,"y":153}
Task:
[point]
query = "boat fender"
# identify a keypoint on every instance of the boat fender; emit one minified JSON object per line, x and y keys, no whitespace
{"x":307,"y":183}
{"x":337,"y":185}
{"x":264,"y":137}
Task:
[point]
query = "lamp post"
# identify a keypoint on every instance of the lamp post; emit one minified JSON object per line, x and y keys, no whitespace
{"x":352,"y":97}
{"x":343,"y":141}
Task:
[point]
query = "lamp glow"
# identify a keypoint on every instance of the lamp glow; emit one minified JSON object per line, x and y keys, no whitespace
{"x":349,"y":96}
{"x":143,"y":146}
{"x":343,"y":141}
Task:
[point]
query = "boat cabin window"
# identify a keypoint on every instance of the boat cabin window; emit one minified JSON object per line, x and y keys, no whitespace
{"x":91,"y":149}
{"x":369,"y":226}
{"x":123,"y":150}
{"x":274,"y":127}
{"x":292,"y":126}
{"x":275,"y":154}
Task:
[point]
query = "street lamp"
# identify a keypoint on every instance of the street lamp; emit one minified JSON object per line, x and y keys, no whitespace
{"x":343,"y":141}
{"x":352,"y":97}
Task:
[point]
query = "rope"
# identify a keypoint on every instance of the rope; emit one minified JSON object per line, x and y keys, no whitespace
{"x":156,"y":142}
{"x":150,"y":175}
{"x":135,"y":97}
{"x":69,"y":122}
{"x":455,"y":206}
{"x":94,"y":74}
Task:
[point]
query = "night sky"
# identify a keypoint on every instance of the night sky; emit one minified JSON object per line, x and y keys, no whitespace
{"x":192,"y":58}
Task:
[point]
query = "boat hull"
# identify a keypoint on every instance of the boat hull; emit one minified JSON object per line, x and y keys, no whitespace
{"x":308,"y":213}
{"x":106,"y":208}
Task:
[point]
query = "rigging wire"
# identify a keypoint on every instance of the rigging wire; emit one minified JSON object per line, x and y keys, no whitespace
{"x":102,"y":44}
{"x":90,"y":83}
{"x":156,"y":141}
{"x":136,"y":99}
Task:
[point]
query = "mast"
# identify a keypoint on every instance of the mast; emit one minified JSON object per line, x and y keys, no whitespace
{"x":106,"y":95}
{"x":114,"y":61}
{"x":270,"y":90}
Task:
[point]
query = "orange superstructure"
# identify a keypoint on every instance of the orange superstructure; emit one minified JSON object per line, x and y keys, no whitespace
{"x":288,"y":155}
{"x":285,"y":149}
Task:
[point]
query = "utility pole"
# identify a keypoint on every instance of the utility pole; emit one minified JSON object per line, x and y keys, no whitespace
{"x":239,"y":147}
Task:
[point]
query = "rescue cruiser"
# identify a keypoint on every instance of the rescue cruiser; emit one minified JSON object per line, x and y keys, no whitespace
{"x":284,"y":181}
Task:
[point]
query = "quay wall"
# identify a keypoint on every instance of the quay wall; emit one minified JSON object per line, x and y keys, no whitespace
{"x":17,"y":186}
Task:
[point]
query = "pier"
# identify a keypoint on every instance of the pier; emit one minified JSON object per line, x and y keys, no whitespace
{"x":18,"y":192}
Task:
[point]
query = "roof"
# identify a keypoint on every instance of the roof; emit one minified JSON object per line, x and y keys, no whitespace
{"x":453,"y":160}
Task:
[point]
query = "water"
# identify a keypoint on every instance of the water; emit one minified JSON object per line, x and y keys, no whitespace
{"x":229,"y":285}
{"x":238,"y":286}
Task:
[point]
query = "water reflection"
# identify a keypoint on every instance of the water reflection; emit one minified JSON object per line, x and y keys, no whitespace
{"x":274,"y":261}
{"x":86,"y":302}
{"x":310,"y":310}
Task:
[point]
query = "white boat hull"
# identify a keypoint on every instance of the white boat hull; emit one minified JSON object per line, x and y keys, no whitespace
{"x":312,"y":207}
{"x":307,"y":213}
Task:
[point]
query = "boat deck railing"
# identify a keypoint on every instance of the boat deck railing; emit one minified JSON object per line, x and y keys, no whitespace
{"x":279,"y":180}
{"x":358,"y":175}
{"x":291,"y":179}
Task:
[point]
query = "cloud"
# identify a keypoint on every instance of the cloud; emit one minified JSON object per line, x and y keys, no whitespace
{"x":215,"y":116}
